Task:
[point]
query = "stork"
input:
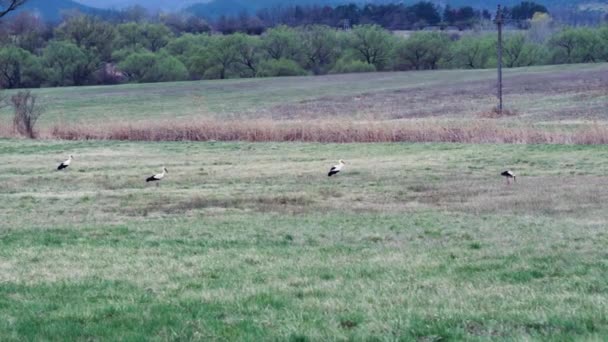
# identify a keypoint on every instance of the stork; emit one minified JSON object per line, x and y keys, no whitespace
{"x":509,"y":175}
{"x":157,"y":177}
{"x":336,"y":168}
{"x":65,"y":163}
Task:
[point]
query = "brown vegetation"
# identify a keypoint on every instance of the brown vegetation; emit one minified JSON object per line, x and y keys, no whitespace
{"x":337,"y":131}
{"x":495,"y":113}
{"x":27,"y":113}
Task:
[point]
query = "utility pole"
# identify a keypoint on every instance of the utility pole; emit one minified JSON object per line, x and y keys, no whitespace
{"x":499,"y":24}
{"x":346,"y":25}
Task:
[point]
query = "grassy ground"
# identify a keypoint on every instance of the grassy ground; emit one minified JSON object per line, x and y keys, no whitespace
{"x":255,"y":242}
{"x":564,"y":94}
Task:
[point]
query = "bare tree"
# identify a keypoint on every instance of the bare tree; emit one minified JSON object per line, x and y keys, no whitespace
{"x":3,"y":99}
{"x":7,"y":6}
{"x":27,"y":113}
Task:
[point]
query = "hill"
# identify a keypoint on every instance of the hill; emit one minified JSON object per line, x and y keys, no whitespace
{"x":52,"y":10}
{"x":150,"y":4}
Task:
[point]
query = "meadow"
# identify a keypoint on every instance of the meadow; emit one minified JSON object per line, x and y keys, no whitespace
{"x":247,"y":239}
{"x":540,"y":100}
{"x":252,"y":241}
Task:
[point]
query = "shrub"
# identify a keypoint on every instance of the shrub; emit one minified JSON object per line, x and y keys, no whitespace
{"x":423,"y":50}
{"x":280,"y":67}
{"x":344,"y":66}
{"x":169,"y":68}
{"x":154,"y":67}
{"x":19,"y":68}
{"x":27,"y":113}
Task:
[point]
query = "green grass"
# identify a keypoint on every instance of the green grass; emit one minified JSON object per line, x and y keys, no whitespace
{"x":538,"y":94}
{"x":254,"y":242}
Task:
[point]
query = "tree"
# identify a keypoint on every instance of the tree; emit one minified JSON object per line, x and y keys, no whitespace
{"x":575,"y":45}
{"x":319,"y":47}
{"x":526,"y":10}
{"x":603,"y":38}
{"x":190,"y":50}
{"x":195,"y":24}
{"x":423,"y":50}
{"x":169,"y":69}
{"x":281,"y":42}
{"x":373,"y":44}
{"x":217,"y":59}
{"x":90,"y":34}
{"x":29,"y":31}
{"x":138,"y":66}
{"x":154,"y":67}
{"x":129,"y":36}
{"x":136,"y":13}
{"x":7,"y":6}
{"x":149,"y":36}
{"x":426,"y":12}
{"x":67,"y":64}
{"x":187,"y":44}
{"x":247,"y":50}
{"x":541,"y":28}
{"x":155,"y":36}
{"x":465,"y":17}
{"x":181,"y":23}
{"x":449,"y":15}
{"x":518,"y":52}
{"x":473,"y":52}
{"x":27,"y":112}
{"x":222,"y":54}
{"x":19,"y":68}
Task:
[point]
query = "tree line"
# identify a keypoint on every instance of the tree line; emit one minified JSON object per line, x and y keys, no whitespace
{"x":394,"y":16}
{"x":85,"y":50}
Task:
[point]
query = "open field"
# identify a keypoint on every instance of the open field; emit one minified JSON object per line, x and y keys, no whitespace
{"x":254,"y":242}
{"x":561,"y":97}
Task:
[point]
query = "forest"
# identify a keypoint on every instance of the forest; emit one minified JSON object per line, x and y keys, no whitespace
{"x":88,"y":50}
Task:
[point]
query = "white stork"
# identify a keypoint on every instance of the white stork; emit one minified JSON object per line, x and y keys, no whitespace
{"x":157,"y":177}
{"x":509,"y":175}
{"x":65,"y":164}
{"x":336,"y":168}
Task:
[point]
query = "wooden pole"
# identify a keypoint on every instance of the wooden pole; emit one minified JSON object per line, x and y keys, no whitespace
{"x":499,"y":24}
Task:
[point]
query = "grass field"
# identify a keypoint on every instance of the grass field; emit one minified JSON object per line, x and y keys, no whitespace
{"x":254,"y":242}
{"x":564,"y":94}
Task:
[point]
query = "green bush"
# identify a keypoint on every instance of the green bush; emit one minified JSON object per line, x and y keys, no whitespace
{"x":280,"y":67}
{"x":154,"y":67}
{"x":19,"y":68}
{"x":345,"y":67}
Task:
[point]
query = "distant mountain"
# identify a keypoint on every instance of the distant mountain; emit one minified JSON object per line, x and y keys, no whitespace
{"x":167,"y":5}
{"x":51,"y":10}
